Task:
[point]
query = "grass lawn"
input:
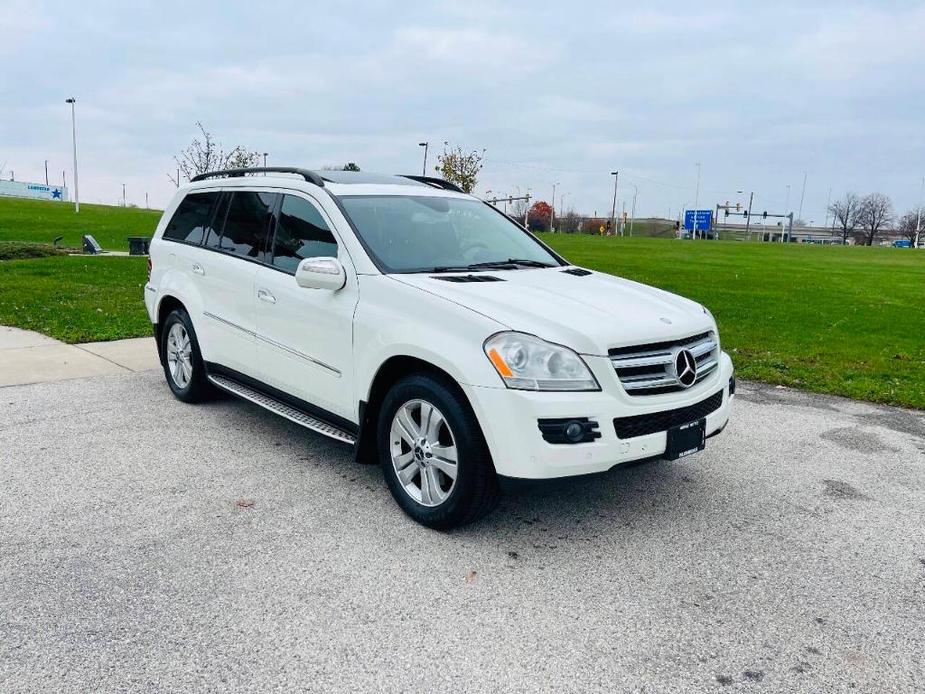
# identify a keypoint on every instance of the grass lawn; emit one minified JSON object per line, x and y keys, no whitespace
{"x":76,"y":298}
{"x":848,"y":321}
{"x":41,"y":221}
{"x":842,"y":320}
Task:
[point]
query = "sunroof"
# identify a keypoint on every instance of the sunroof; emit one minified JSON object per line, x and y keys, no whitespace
{"x":364,"y":177}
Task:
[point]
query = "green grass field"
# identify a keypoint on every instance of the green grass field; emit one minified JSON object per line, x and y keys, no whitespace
{"x":41,"y":221}
{"x":75,"y":298}
{"x":842,"y":320}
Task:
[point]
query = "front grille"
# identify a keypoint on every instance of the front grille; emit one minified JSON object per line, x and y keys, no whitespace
{"x":642,"y":424}
{"x":649,"y":369}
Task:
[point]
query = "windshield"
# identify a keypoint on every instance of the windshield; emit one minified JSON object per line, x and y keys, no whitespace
{"x":434,"y":234}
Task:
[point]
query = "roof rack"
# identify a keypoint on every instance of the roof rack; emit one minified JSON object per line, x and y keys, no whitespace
{"x":309,"y":176}
{"x":435,"y":182}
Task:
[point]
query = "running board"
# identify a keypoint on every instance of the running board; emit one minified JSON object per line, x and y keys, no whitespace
{"x":282,"y":409}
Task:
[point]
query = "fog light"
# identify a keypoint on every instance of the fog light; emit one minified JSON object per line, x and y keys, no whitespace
{"x":569,"y":430}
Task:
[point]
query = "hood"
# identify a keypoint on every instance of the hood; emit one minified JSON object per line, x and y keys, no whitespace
{"x":590,"y":313}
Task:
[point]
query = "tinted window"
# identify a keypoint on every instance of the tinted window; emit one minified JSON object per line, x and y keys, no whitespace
{"x":301,"y":233}
{"x":247,"y":224}
{"x":190,"y":220}
{"x":214,"y":231}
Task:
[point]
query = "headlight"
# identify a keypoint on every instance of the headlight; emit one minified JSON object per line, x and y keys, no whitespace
{"x":526,"y":362}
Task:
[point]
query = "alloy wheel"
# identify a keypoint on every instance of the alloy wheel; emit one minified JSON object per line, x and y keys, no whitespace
{"x":423,"y":452}
{"x":179,"y":355}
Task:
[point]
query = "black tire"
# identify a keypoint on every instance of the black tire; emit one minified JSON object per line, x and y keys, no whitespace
{"x":475,"y":492}
{"x":198,"y":388}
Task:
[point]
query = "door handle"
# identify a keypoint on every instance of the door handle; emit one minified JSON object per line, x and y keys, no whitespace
{"x":197,"y":268}
{"x":264,"y":295}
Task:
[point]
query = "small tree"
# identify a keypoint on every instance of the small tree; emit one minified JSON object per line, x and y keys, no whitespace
{"x":207,"y":154}
{"x":351,"y":166}
{"x":875,"y":213}
{"x":460,"y":167}
{"x":845,"y":213}
{"x":909,"y":224}
{"x":540,"y":216}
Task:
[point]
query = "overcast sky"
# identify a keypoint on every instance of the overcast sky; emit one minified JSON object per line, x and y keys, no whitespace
{"x":553,"y":92}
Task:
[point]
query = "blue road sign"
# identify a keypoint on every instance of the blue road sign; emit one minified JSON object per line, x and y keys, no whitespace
{"x":704,"y":219}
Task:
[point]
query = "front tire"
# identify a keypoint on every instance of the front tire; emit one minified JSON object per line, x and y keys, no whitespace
{"x":182,"y":360}
{"x":433,"y":454}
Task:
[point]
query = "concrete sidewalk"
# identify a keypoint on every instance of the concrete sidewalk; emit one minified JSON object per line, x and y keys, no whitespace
{"x":30,"y":357}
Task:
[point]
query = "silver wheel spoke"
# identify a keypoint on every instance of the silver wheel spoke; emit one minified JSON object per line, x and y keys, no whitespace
{"x":432,"y":429}
{"x":409,"y":429}
{"x":446,"y":467}
{"x":402,"y":461}
{"x":407,"y":474}
{"x":426,"y":485}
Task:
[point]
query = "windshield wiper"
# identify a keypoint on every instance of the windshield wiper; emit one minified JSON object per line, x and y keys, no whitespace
{"x":511,"y":261}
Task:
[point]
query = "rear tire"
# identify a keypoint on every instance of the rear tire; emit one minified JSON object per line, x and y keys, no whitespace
{"x":183,"y":366}
{"x":433,"y":454}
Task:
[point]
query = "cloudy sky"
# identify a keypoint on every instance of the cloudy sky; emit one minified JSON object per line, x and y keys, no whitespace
{"x":553,"y":92}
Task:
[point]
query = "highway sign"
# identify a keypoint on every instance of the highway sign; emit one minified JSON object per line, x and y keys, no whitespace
{"x":704,"y":219}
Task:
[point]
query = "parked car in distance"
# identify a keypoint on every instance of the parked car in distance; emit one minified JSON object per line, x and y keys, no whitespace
{"x":426,"y":329}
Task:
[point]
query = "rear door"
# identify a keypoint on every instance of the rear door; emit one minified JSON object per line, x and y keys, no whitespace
{"x":235,"y":247}
{"x":305,"y":336}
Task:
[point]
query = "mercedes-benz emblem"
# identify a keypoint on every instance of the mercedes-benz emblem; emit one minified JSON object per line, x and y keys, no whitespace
{"x":685,"y":368}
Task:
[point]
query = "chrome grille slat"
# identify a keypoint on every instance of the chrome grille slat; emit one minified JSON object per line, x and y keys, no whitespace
{"x":650,"y":368}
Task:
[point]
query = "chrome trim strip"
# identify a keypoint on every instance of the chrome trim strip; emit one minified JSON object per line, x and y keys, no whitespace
{"x":279,"y":345}
{"x":229,"y":324}
{"x":299,"y":354}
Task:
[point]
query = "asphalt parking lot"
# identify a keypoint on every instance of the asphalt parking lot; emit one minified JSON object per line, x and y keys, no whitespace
{"x":150,"y":545}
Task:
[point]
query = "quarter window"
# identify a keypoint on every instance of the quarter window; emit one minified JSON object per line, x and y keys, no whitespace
{"x":247,"y":224}
{"x":301,"y":233}
{"x":190,"y":222}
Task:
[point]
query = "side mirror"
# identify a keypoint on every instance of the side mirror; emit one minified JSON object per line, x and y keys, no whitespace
{"x":321,"y":273}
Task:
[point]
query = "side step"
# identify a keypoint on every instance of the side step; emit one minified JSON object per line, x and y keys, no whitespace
{"x":282,"y":409}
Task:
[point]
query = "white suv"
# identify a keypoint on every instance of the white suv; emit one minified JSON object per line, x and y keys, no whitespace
{"x":424,"y":327}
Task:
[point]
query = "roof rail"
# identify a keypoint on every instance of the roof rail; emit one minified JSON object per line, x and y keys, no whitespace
{"x":435,"y":182}
{"x":309,"y":176}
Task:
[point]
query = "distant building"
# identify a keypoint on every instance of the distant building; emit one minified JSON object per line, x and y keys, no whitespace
{"x":37,"y":191}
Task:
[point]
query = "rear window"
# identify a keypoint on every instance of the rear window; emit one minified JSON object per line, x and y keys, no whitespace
{"x":190,"y":222}
{"x":247,"y":224}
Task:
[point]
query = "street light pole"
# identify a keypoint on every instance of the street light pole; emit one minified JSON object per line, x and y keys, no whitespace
{"x":748,"y":219}
{"x":552,"y":210}
{"x":123,"y":195}
{"x":72,"y":101}
{"x":613,"y":210}
{"x":46,"y":172}
{"x":802,"y":194}
{"x":425,"y":145}
{"x":918,"y":214}
{"x":696,"y":202}
{"x":264,"y":162}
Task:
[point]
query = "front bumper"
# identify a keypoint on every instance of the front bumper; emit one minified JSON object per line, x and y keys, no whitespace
{"x":509,"y":421}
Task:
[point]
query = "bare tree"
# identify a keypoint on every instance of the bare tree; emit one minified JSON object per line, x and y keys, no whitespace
{"x":875,"y":213}
{"x":909,"y":224}
{"x":460,"y":167}
{"x":845,"y":213}
{"x":207,"y":154}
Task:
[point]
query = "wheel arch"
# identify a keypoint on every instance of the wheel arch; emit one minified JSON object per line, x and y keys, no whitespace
{"x":166,"y":304}
{"x":390,"y":372}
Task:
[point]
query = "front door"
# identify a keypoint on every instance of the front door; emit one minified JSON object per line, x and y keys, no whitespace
{"x":305,"y":336}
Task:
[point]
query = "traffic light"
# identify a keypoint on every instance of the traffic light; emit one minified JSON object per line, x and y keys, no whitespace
{"x":726,"y":212}
{"x":738,"y":207}
{"x":764,"y":214}
{"x":745,"y":213}
{"x":677,"y":225}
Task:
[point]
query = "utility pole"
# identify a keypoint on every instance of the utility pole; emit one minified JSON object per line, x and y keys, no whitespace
{"x":123,"y":195}
{"x":527,"y":211}
{"x":748,"y":218}
{"x":613,"y":210}
{"x":146,"y":201}
{"x":178,"y":178}
{"x":46,"y":172}
{"x":633,"y":212}
{"x":425,"y":145}
{"x":265,"y":162}
{"x":696,"y":202}
{"x":802,"y":194}
{"x":828,"y":201}
{"x":72,"y":101}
